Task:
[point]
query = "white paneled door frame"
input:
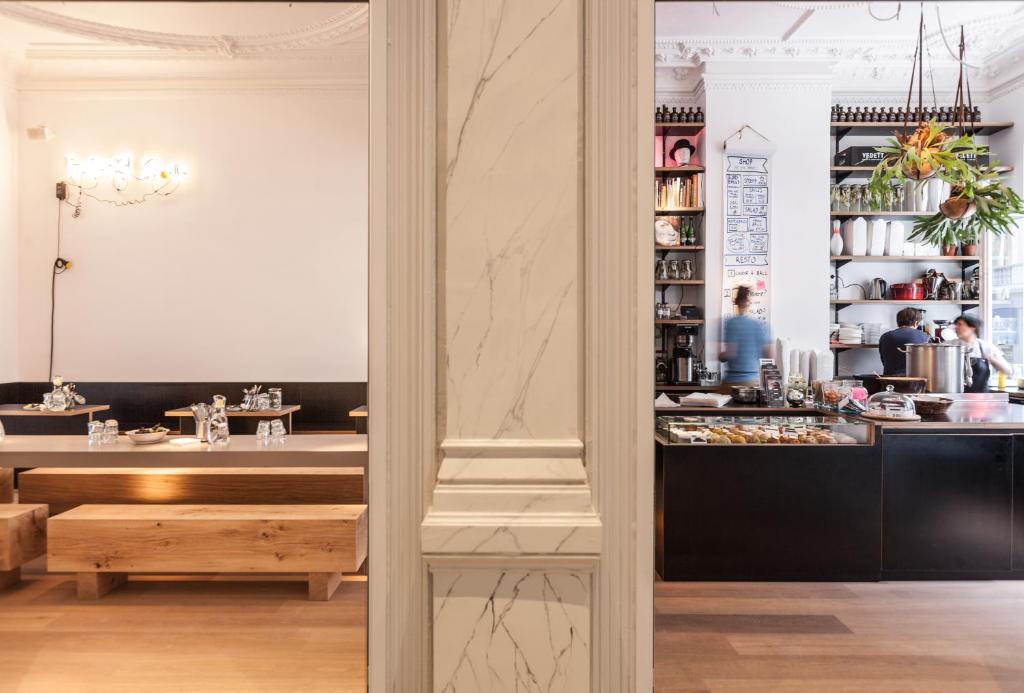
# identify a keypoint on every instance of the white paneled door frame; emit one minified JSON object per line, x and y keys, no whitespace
{"x":617,"y":262}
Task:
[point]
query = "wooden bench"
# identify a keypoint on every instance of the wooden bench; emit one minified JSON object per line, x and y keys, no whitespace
{"x":22,"y":538}
{"x":104,"y":543}
{"x":6,"y":485}
{"x":65,"y":488}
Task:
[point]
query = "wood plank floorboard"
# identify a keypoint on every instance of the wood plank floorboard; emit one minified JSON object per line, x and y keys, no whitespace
{"x":905,"y":637}
{"x":197,"y":634}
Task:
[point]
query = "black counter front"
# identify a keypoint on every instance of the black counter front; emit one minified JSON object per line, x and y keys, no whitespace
{"x":942,"y":499}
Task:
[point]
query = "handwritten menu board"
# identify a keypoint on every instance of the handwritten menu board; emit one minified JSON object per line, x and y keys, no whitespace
{"x":745,"y":259}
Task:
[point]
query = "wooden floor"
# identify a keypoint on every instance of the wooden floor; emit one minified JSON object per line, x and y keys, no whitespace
{"x":833,"y":637}
{"x":161,"y":634}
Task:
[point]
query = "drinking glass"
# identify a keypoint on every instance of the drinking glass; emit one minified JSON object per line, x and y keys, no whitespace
{"x":262,"y":401}
{"x":276,"y":398}
{"x":277,"y":431}
{"x":47,"y":400}
{"x":263,"y":433}
{"x":674,"y":270}
{"x":836,"y":197}
{"x":846,"y":195}
{"x":110,"y":431}
{"x":95,"y":432}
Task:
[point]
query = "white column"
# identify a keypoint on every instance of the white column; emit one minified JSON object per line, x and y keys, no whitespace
{"x":511,"y":538}
{"x":8,"y":225}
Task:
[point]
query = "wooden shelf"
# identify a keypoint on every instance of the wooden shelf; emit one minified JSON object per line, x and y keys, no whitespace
{"x":679,"y":248}
{"x":661,"y":170}
{"x":678,"y":322}
{"x":844,"y":347}
{"x":841,"y":173}
{"x":907,"y":258}
{"x":840,"y":215}
{"x":679,"y":282}
{"x":892,"y":302}
{"x":683,"y":128}
{"x":683,"y":388}
{"x":681,"y":212}
{"x":983,"y":128}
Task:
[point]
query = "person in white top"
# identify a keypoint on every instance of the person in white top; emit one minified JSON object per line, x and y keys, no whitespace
{"x":984,"y":355}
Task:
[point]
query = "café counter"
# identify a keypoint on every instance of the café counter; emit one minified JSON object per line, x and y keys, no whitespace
{"x":841,"y":498}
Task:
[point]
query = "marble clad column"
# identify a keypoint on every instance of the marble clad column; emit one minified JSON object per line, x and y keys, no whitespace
{"x":511,"y":539}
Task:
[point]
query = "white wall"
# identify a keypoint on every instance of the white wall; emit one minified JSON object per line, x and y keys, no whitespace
{"x":788,"y":104}
{"x":8,"y":231}
{"x":256,"y":269}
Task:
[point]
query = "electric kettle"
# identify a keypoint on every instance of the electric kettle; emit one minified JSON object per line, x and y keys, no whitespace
{"x":879,"y":289}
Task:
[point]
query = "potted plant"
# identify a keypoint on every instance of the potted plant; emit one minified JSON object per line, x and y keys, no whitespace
{"x":927,"y":152}
{"x":984,"y":205}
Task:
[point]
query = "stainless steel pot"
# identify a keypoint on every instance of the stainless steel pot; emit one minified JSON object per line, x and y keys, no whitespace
{"x":947,"y":365}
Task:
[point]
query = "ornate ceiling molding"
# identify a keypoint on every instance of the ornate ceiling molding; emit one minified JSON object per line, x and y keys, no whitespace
{"x":344,"y":26}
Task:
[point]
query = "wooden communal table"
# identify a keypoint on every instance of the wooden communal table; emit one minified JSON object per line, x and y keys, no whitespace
{"x":28,"y":452}
{"x":285,"y":412}
{"x":79,"y":410}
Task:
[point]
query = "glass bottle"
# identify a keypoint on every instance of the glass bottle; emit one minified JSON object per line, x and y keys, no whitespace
{"x":689,"y":115}
{"x":218,"y":433}
{"x":858,"y":117}
{"x":873,"y":117}
{"x":675,"y":115}
{"x":700,"y":114}
{"x":976,"y":114}
{"x":657,"y":115}
{"x":832,"y":115}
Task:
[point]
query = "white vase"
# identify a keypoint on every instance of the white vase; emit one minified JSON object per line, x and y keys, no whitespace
{"x":934,"y":192}
{"x":894,"y":239}
{"x":921,"y":198}
{"x":876,"y":237}
{"x":909,"y":200}
{"x":837,"y":239}
{"x":856,"y":240}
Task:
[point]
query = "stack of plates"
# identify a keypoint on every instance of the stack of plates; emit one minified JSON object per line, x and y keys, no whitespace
{"x":851,"y":335}
{"x":871,"y":332}
{"x":833,"y":331}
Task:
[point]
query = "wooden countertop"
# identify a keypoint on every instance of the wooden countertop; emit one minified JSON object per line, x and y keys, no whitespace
{"x":265,"y":413}
{"x":328,"y":450}
{"x":359,"y":412}
{"x":79,"y":410}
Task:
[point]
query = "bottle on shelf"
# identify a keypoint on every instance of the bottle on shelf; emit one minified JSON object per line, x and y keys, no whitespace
{"x":874,"y":114}
{"x":700,"y":114}
{"x":976,"y":114}
{"x":658,"y":117}
{"x":675,"y":115}
{"x":689,"y":115}
{"x":858,"y":117}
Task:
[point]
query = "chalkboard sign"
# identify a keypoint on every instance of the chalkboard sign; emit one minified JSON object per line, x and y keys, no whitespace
{"x":747,"y":232}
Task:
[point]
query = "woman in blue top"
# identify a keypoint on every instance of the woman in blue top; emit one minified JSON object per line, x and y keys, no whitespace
{"x":746,"y":343}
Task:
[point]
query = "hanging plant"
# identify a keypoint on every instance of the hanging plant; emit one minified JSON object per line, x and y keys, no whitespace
{"x":926,"y":152}
{"x":982,"y":203}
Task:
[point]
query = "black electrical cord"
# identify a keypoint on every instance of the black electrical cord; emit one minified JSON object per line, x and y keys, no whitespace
{"x":60,"y":265}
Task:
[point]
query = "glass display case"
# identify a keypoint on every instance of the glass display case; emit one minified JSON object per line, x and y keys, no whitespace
{"x":763,"y":430}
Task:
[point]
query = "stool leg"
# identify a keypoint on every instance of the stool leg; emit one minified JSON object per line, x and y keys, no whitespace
{"x":95,"y":585}
{"x":10,"y":577}
{"x":6,"y":485}
{"x":322,"y":586}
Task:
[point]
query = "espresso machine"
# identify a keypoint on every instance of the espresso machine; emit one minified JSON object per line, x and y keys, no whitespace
{"x":684,"y":371}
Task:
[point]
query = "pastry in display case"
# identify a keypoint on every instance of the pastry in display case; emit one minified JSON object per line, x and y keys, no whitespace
{"x":762,"y":430}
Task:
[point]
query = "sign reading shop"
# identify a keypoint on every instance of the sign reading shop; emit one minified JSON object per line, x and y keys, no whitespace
{"x":745,"y":252}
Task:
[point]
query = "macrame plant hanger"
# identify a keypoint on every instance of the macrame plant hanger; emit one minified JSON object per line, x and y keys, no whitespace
{"x":965,"y":81}
{"x":916,"y":70}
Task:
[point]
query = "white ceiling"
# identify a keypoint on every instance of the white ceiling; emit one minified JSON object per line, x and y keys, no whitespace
{"x":194,"y":18}
{"x":827,"y":20}
{"x":869,"y":47}
{"x":74,"y":44}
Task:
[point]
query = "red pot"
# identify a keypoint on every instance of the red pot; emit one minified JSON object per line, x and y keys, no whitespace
{"x":908,"y":292}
